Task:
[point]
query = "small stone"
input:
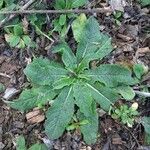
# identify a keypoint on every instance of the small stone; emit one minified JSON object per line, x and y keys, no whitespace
{"x":88,"y":148}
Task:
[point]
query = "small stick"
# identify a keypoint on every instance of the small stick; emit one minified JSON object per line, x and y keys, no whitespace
{"x":132,"y":135}
{"x":12,"y":16}
{"x":63,"y":11}
{"x":4,"y":75}
{"x":145,"y":94}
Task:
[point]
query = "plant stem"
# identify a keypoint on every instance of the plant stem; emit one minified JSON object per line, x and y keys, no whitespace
{"x":145,"y":94}
{"x":94,"y":10}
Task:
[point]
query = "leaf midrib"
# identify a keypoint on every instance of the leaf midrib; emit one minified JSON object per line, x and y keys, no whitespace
{"x":58,"y":118}
{"x":99,"y":93}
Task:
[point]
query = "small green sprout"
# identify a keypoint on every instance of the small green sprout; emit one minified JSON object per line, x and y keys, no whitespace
{"x":16,"y":37}
{"x":126,"y":114}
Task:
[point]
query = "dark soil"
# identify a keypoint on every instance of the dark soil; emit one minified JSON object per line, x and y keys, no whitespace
{"x":130,"y":41}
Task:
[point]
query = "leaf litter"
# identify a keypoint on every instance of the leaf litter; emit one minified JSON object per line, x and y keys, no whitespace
{"x":130,"y":48}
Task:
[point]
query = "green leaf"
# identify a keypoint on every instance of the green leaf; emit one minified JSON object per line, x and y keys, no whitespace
{"x":20,"y":143}
{"x":68,"y":56}
{"x":38,"y":147}
{"x":33,"y":97}
{"x":1,"y":3}
{"x":13,"y":40}
{"x":9,"y":2}
{"x":93,"y":44}
{"x":126,"y":91}
{"x":60,"y":113}
{"x":60,"y":4}
{"x":138,"y":70}
{"x":2,"y":88}
{"x":21,"y":44}
{"x":62,"y":20}
{"x":78,"y":3}
{"x":83,"y":98}
{"x":147,"y":139}
{"x":71,"y":127}
{"x":18,"y":30}
{"x":59,"y":84}
{"x":146,"y":123}
{"x":107,"y":92}
{"x":43,"y":72}
{"x":26,"y":40}
{"x":105,"y":102}
{"x":111,"y":75}
{"x":78,"y":26}
{"x":90,"y":129}
{"x":145,"y":2}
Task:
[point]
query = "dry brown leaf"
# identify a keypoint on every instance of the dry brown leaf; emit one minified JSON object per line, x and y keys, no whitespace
{"x":36,"y":116}
{"x":143,"y":50}
{"x":124,"y":37}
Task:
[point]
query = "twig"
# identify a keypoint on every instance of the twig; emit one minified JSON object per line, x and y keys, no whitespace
{"x":145,"y":94}
{"x":132,"y":135}
{"x":5,"y":75}
{"x":94,"y":10}
{"x":13,"y":15}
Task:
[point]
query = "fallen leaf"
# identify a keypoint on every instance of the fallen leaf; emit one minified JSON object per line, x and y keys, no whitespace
{"x":36,"y":116}
{"x":116,"y":139}
{"x":124,"y":37}
{"x":142,"y":51}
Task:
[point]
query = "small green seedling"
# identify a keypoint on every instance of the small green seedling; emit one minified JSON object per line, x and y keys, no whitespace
{"x":16,"y":38}
{"x":60,"y":24}
{"x":20,"y":145}
{"x":77,"y":125}
{"x":73,"y":85}
{"x":126,"y":114}
{"x":117,"y":16}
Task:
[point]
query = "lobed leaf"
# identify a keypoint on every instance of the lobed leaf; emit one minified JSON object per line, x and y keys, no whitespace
{"x":111,"y":75}
{"x":100,"y":98}
{"x":78,"y":26}
{"x":83,"y":98}
{"x":90,"y":129}
{"x":43,"y":72}
{"x":93,"y":43}
{"x":68,"y":56}
{"x":32,"y":97}
{"x":59,"y":84}
{"x":126,"y":91}
{"x":146,"y":123}
{"x":60,"y":113}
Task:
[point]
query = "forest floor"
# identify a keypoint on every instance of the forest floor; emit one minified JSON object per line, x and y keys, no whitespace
{"x":131,"y":40}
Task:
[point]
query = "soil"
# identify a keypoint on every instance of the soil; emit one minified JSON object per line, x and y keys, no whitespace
{"x":131,"y":43}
